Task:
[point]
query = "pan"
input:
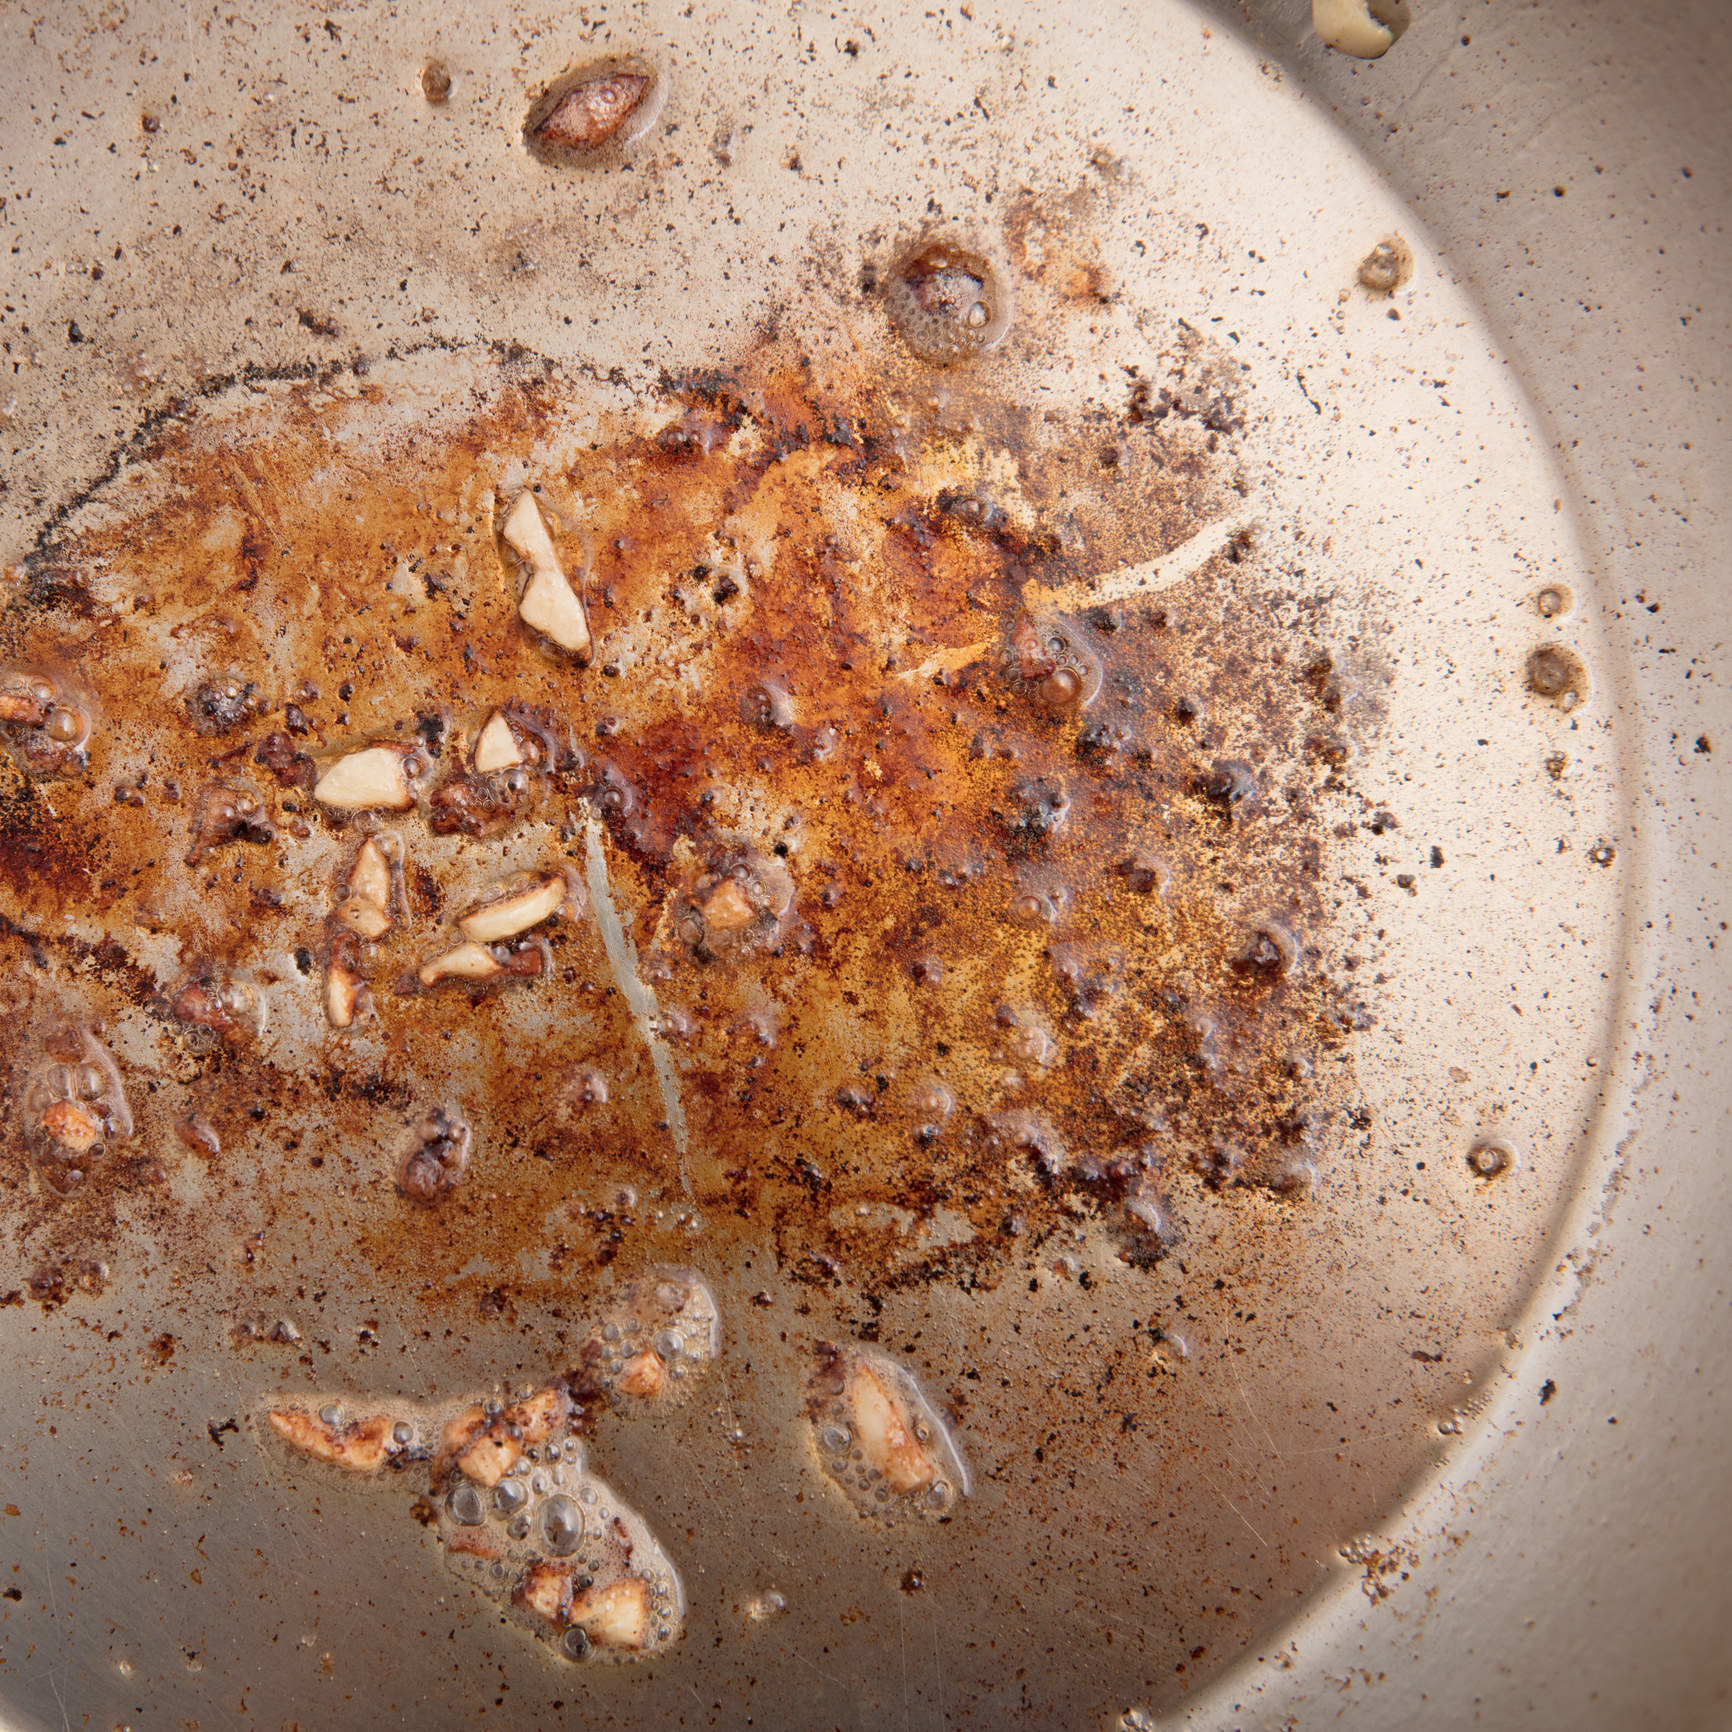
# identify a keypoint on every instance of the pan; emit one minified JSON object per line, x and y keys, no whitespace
{"x":857,"y":869}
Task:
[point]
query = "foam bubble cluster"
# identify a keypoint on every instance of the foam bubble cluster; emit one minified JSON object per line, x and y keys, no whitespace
{"x":519,"y":1514}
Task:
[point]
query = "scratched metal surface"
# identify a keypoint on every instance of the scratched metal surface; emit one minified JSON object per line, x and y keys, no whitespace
{"x":1302,"y":539}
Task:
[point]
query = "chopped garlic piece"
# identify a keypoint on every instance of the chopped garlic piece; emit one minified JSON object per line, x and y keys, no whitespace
{"x":1363,"y":28}
{"x":365,"y":908}
{"x":370,"y":878}
{"x":491,"y":1456}
{"x":642,"y":1375}
{"x":549,"y":604}
{"x":72,"y":1127}
{"x":363,"y":1446}
{"x":373,"y":777}
{"x":513,"y":914}
{"x":466,"y":962}
{"x":343,"y":988}
{"x":365,"y":919}
{"x":496,"y":749}
{"x":885,"y":1440}
{"x":546,"y":1590}
{"x":617,"y":1616}
{"x":729,"y":909}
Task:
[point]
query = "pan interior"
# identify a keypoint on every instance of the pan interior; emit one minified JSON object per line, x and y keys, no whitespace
{"x":1162,"y":763}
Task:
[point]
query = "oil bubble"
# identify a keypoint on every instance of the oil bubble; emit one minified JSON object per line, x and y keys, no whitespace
{"x":760,"y":1608}
{"x":435,"y":1157}
{"x":1052,"y":664}
{"x":1387,"y":266}
{"x":1492,"y":1158}
{"x":220,"y":705}
{"x":740,"y":903}
{"x":559,"y":1526}
{"x":948,"y":301}
{"x":216,"y":1002}
{"x":1269,"y":951}
{"x":231,"y":811}
{"x":1147,"y":873}
{"x":1555,"y":600}
{"x":467,"y":1507}
{"x":44,"y":725}
{"x":1557,"y":673}
{"x":765,"y":704}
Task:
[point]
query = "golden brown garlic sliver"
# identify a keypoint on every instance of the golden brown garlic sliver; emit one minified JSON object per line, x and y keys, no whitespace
{"x":548,"y":604}
{"x":72,"y":1127}
{"x":510,"y":915}
{"x":496,"y":748}
{"x":376,"y":778}
{"x":1365,"y":29}
{"x":545,"y":1591}
{"x":465,"y":962}
{"x":885,"y":1434}
{"x":361,"y":1446}
{"x":643,"y":1375}
{"x":343,"y":992}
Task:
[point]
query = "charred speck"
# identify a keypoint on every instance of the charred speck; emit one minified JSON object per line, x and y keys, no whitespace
{"x":1228,"y":783}
{"x":1037,"y":810}
{"x":220,"y":706}
{"x":291,"y":767}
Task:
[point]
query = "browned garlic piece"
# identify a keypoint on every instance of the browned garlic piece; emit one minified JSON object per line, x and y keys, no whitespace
{"x":362,"y":1446}
{"x":614,"y":1616}
{"x":72,"y":1127}
{"x":466,"y":962}
{"x":510,"y":915}
{"x":884,"y":1435}
{"x":548,"y":604}
{"x":486,"y":1452}
{"x":374,"y":778}
{"x":879,"y":1438}
{"x":496,"y":748}
{"x":643,"y":1375}
{"x":546,"y":1591}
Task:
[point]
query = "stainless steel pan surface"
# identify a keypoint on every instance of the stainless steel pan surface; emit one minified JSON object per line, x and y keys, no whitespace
{"x":861,"y":870}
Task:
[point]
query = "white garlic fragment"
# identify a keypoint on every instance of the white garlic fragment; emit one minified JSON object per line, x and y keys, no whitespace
{"x":497,"y":748}
{"x":513,"y":914}
{"x":549,"y":604}
{"x":466,"y":962}
{"x":1363,"y":28}
{"x":366,"y":905}
{"x":374,"y":777}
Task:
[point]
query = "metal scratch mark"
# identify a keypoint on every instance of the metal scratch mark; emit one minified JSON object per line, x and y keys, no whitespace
{"x":640,"y":998}
{"x":1236,"y":1510}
